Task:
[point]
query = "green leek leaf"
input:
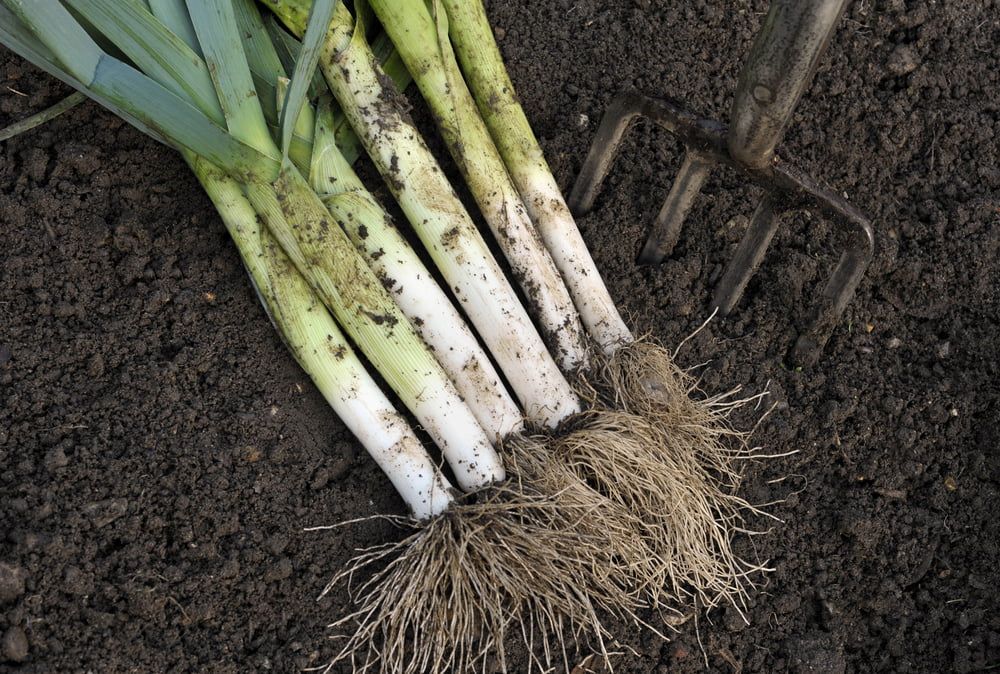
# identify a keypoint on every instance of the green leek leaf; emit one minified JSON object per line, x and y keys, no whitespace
{"x":218,"y":33}
{"x":157,"y":51}
{"x":265,"y":64}
{"x":174,"y":15}
{"x":18,"y":38}
{"x":288,"y":48}
{"x":56,"y":28}
{"x":305,"y":68}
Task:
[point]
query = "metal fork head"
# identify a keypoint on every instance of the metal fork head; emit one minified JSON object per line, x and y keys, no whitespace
{"x":785,"y":187}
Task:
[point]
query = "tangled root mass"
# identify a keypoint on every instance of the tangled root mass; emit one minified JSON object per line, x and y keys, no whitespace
{"x":631,"y":505}
{"x":681,"y":472}
{"x":515,"y":560}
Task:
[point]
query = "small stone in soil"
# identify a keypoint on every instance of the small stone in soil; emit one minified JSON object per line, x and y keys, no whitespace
{"x":15,"y":644}
{"x":903,"y":60}
{"x":320,"y":479}
{"x":11,"y":583}
{"x":733,"y":620}
{"x":340,"y":468}
{"x":56,"y":458}
{"x":102,"y":513}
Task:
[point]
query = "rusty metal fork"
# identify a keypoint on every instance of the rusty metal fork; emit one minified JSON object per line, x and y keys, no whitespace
{"x":781,"y":64}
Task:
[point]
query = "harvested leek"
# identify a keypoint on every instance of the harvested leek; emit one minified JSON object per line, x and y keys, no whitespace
{"x":607,"y":511}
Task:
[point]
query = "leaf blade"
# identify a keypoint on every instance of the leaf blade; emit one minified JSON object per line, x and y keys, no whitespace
{"x":305,"y":67}
{"x":173,"y":14}
{"x":55,"y":27}
{"x":262,"y":57}
{"x":154,"y":48}
{"x":16,"y":36}
{"x":218,"y":33}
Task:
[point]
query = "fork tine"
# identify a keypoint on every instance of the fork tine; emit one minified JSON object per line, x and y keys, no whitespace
{"x":667,"y":228}
{"x":623,"y":109}
{"x":748,"y":257}
{"x":785,"y":187}
{"x":833,"y":300}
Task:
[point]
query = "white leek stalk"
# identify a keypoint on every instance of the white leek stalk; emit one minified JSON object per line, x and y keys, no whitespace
{"x":422,"y":190}
{"x":419,"y":30}
{"x":410,"y":283}
{"x":487,"y":77}
{"x":320,"y":348}
{"x":320,"y":249}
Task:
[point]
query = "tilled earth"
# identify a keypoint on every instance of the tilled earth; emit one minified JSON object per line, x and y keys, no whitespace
{"x":160,"y":452}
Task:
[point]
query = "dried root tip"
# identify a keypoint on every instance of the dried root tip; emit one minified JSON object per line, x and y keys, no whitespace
{"x":643,"y":379}
{"x":509,"y":562}
{"x":632,"y":566}
{"x":688,"y":515}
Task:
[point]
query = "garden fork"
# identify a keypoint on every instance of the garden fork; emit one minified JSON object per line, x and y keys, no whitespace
{"x":781,"y":64}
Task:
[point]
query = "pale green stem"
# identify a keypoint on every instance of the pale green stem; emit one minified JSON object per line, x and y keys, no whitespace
{"x":486,"y":75}
{"x":321,"y":349}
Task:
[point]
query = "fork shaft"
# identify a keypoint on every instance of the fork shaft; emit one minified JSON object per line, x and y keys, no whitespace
{"x":781,"y":64}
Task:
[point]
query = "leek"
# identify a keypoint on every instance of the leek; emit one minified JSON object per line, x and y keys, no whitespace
{"x":597,"y":518}
{"x":487,"y":77}
{"x":421,"y":38}
{"x":229,"y":130}
{"x":322,"y":351}
{"x":371,"y":104}
{"x":681,"y":482}
{"x":398,"y":267}
{"x":513,"y":548}
{"x":680,"y":478}
{"x":410,"y":283}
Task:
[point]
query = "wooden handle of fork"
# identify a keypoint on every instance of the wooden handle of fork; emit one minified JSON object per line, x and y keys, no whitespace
{"x":781,"y":64}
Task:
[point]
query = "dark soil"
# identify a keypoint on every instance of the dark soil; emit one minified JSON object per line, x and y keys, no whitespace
{"x":160,"y":452}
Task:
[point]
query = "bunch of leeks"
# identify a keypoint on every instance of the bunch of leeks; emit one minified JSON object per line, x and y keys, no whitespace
{"x":596,"y":484}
